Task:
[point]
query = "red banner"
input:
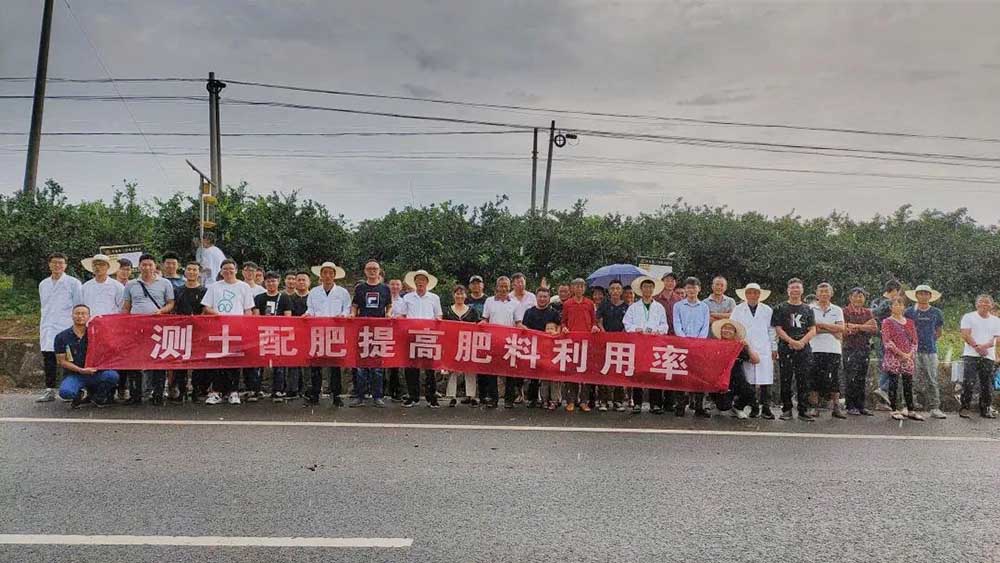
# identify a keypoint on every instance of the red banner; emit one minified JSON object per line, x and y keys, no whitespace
{"x":134,"y":342}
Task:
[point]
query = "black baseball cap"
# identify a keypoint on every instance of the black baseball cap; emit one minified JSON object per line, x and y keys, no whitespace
{"x":124,"y":262}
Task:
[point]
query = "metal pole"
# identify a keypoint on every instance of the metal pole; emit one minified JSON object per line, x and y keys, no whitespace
{"x":214,"y":144}
{"x":41,"y":71}
{"x":548,"y":170}
{"x":534,"y":171}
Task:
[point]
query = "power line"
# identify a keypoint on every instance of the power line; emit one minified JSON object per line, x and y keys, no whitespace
{"x":610,"y":114}
{"x":100,"y":60}
{"x":270,"y":134}
{"x":540,"y":109}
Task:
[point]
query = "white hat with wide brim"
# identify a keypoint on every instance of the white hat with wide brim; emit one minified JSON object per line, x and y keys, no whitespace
{"x":912,"y":294}
{"x":637,"y":285}
{"x":741,"y":331}
{"x":764,"y":293}
{"x":410,"y":279}
{"x":88,"y":263}
{"x":339,"y":272}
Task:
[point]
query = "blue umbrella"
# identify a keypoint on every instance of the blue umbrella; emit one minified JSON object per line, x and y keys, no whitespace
{"x":624,"y":273}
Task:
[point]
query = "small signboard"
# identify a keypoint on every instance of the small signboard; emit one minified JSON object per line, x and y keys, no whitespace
{"x":657,"y":267}
{"x":119,"y":251}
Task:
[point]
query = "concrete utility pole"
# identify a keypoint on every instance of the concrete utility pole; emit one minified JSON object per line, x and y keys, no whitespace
{"x":534,"y":171}
{"x":41,"y":71}
{"x":215,"y":144}
{"x":548,"y":170}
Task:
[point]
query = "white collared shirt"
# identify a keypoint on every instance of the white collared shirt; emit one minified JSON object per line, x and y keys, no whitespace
{"x":826,"y":342}
{"x":427,"y":306}
{"x":335,"y":303}
{"x":103,"y":298}
{"x":503,"y":313}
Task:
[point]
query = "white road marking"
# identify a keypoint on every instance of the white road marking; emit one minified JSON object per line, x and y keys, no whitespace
{"x":505,"y":428}
{"x":208,"y":541}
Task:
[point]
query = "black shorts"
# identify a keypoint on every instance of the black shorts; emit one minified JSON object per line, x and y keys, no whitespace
{"x":825,"y":376}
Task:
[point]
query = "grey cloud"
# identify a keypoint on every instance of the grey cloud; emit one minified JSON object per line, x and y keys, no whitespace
{"x":720,"y":98}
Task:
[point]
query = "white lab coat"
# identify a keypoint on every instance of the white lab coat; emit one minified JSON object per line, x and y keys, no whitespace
{"x":761,"y":338}
{"x":636,"y":319}
{"x":58,"y":299}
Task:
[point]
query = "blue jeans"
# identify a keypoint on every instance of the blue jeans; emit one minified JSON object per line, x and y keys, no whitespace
{"x":368,"y":380}
{"x":101,"y":385}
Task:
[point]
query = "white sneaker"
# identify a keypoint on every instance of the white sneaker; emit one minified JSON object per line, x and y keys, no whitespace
{"x":743,"y":414}
{"x":882,"y":396}
{"x":213,"y":399}
{"x":47,"y":396}
{"x":936,"y":413}
{"x":234,"y":398}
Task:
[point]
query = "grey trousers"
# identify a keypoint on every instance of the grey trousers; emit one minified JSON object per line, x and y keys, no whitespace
{"x":927,"y":373}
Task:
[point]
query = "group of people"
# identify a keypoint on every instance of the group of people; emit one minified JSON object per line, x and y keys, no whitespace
{"x":811,"y":342}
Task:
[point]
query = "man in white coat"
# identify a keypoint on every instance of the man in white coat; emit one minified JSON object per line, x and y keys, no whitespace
{"x":327,"y":300}
{"x":646,"y":315}
{"x":756,"y":317}
{"x":58,"y":293}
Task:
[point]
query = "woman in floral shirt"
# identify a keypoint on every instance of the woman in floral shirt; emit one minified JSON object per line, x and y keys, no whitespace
{"x":899,"y":336}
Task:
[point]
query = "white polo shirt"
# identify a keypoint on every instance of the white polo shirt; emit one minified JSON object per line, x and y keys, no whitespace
{"x":335,"y":303}
{"x":426,"y":306}
{"x":103,"y":298}
{"x":526,"y":302}
{"x":825,"y":342}
{"x":502,"y":313}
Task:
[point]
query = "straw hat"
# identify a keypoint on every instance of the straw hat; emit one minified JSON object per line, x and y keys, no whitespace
{"x":741,"y":331}
{"x":912,"y":294}
{"x":637,"y":285}
{"x":764,"y":293}
{"x":409,"y":280}
{"x":339,"y":272}
{"x":88,"y":263}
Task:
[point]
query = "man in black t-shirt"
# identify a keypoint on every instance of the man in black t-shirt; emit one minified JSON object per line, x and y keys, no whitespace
{"x":610,"y":316}
{"x":794,"y":323}
{"x":476,"y":298}
{"x":187,"y":301}
{"x":371,"y":299}
{"x":536,"y":318}
{"x":271,"y":303}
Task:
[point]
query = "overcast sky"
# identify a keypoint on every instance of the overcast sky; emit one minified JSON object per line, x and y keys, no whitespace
{"x":929,"y":69}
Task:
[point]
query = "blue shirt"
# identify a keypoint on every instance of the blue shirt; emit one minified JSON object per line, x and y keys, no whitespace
{"x":75,"y":348}
{"x":691,"y":319}
{"x":927,"y":323}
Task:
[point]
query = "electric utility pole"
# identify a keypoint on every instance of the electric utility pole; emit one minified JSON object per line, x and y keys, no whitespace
{"x":41,"y":71}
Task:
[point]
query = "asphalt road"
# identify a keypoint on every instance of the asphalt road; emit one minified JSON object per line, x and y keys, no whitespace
{"x":716,"y":490}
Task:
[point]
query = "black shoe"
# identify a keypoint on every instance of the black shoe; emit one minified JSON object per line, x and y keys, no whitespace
{"x":80,"y":399}
{"x":452,"y":402}
{"x":655,"y":410}
{"x":408,"y":404}
{"x":785,"y":415}
{"x":702,"y":413}
{"x":508,"y":404}
{"x":637,"y":409}
{"x":433,"y":405}
{"x":473,"y":402}
{"x":102,"y":403}
{"x":988,"y":414}
{"x":679,"y":410}
{"x":310,"y":402}
{"x":806,"y":417}
{"x":964,"y":413}
{"x":490,"y":404}
{"x":767,"y":414}
{"x":754,"y":412}
{"x":467,"y":401}
{"x":338,"y":402}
